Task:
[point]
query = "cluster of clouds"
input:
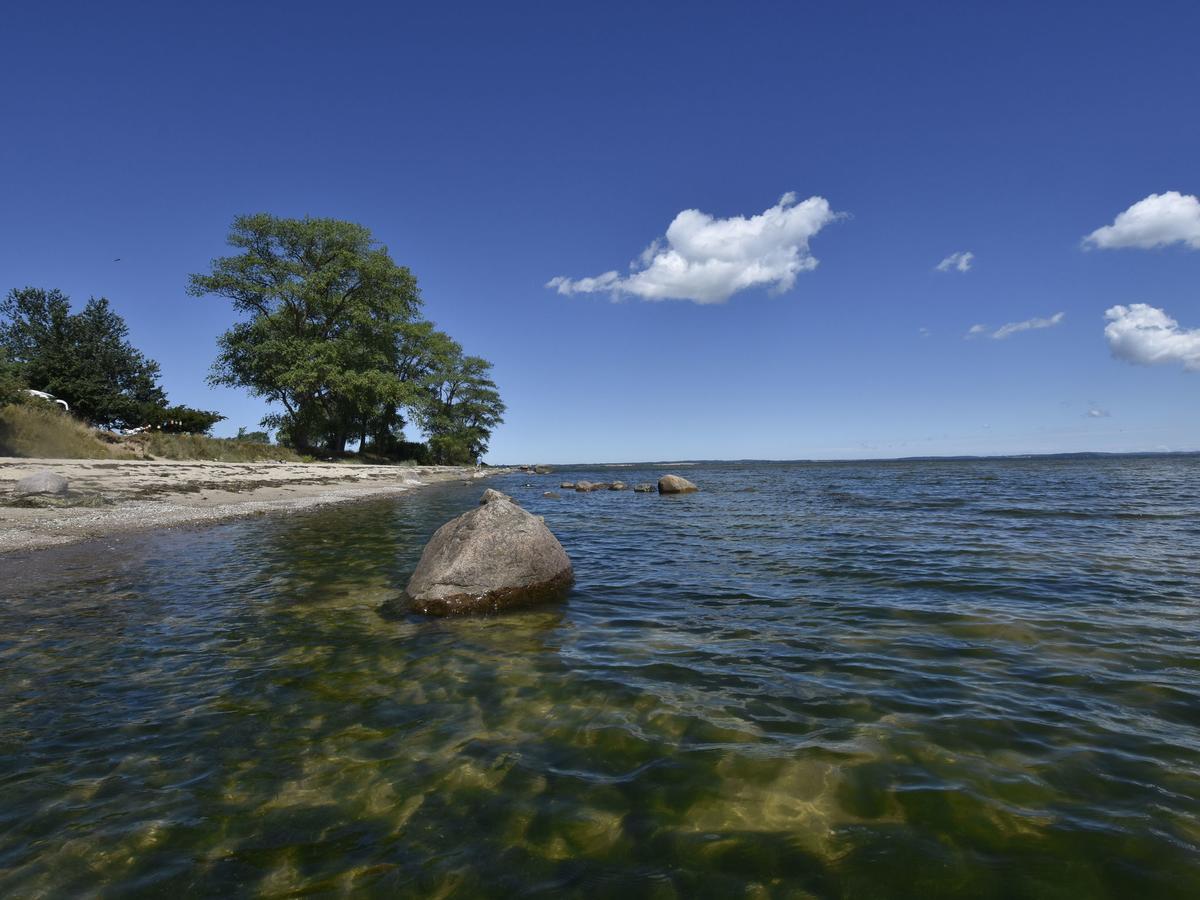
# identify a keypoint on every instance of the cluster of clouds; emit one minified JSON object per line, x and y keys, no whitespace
{"x":1140,"y":333}
{"x":707,"y":259}
{"x":1016,"y":327}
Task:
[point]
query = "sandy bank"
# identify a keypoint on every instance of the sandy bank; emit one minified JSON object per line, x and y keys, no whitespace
{"x":148,"y":494}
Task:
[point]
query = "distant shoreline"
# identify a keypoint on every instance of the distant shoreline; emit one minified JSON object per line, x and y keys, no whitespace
{"x":117,"y":497}
{"x":1080,"y":454}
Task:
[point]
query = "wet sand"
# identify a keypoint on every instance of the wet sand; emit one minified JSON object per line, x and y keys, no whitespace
{"x":109,"y":497}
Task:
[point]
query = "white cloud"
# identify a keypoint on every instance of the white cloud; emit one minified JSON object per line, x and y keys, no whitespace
{"x":1158,"y":220}
{"x":924,"y":332}
{"x":708,"y":260}
{"x":1147,"y":336}
{"x":1097,"y":413}
{"x":959,"y":262}
{"x":1014,"y":327}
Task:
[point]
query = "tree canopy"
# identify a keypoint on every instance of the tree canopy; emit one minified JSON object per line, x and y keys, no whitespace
{"x":86,"y":359}
{"x":333,"y":334}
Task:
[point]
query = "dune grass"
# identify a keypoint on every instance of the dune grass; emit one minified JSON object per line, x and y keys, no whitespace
{"x":39,"y":430}
{"x":199,"y":446}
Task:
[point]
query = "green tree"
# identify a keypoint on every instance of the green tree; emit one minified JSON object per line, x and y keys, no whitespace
{"x":12,"y":385}
{"x":326,"y":307}
{"x":461,"y":406}
{"x":85,"y":358}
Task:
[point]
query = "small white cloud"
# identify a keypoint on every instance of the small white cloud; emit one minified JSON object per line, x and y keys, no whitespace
{"x":1158,"y":220}
{"x":957,"y":262}
{"x":1014,"y":327}
{"x":1147,"y":336}
{"x":1097,"y":413}
{"x":924,"y":332}
{"x":707,"y":260}
{"x":1028,"y":325}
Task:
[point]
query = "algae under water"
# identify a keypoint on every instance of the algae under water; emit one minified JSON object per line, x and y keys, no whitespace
{"x":909,"y":679}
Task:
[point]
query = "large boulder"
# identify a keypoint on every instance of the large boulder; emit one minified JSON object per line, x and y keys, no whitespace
{"x":675,"y":484}
{"x":43,"y":482}
{"x":495,"y":557}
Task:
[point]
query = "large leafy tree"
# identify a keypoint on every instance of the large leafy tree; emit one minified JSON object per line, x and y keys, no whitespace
{"x":326,"y":309}
{"x":85,"y":358}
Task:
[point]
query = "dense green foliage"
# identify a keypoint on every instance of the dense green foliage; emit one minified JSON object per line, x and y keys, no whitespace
{"x":12,"y":385}
{"x":333,"y":335}
{"x":181,"y":419}
{"x":85,"y":358}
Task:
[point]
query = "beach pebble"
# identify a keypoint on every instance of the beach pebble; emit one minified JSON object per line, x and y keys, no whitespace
{"x":494,"y":557}
{"x":675,"y":484}
{"x":43,"y":482}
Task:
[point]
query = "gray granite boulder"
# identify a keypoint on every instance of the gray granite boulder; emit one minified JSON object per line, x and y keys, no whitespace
{"x":584,"y":486}
{"x":617,"y":486}
{"x":644,"y":488}
{"x":43,"y":482}
{"x":495,"y":557}
{"x":675,"y":484}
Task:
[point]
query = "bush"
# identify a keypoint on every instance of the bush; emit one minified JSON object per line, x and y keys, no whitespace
{"x":41,"y":429}
{"x":180,"y":419}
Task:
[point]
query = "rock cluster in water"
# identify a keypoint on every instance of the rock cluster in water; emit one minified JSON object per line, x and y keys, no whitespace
{"x":495,"y":557}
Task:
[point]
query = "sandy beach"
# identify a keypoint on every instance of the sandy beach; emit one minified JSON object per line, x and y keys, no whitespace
{"x":109,"y":497}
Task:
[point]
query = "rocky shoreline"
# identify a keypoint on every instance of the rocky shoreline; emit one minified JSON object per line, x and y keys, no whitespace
{"x":106,"y":497}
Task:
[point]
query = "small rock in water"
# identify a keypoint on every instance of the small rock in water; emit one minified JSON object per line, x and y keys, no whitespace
{"x":617,"y":486}
{"x":675,"y":484}
{"x":584,"y":486}
{"x":567,"y":485}
{"x":552,"y":495}
{"x":644,"y":488}
{"x":542,"y":470}
{"x":43,"y":482}
{"x":495,"y":557}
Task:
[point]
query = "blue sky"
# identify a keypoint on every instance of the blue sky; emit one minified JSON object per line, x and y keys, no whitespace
{"x":493,"y":147}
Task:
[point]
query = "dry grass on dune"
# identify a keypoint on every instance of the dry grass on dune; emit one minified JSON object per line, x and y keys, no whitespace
{"x":199,"y":446}
{"x":40,"y":431}
{"x":35,"y":430}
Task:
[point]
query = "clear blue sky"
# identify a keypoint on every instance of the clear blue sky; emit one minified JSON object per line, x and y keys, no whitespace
{"x":493,"y":147}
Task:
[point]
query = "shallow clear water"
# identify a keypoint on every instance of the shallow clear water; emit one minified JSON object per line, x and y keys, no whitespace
{"x":973,"y":678}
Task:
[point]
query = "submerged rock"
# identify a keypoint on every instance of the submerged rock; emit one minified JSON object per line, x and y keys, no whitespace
{"x":495,"y":557}
{"x":43,"y":482}
{"x":552,"y":495}
{"x":567,"y":485}
{"x":584,"y":486}
{"x":675,"y":484}
{"x":644,"y":488}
